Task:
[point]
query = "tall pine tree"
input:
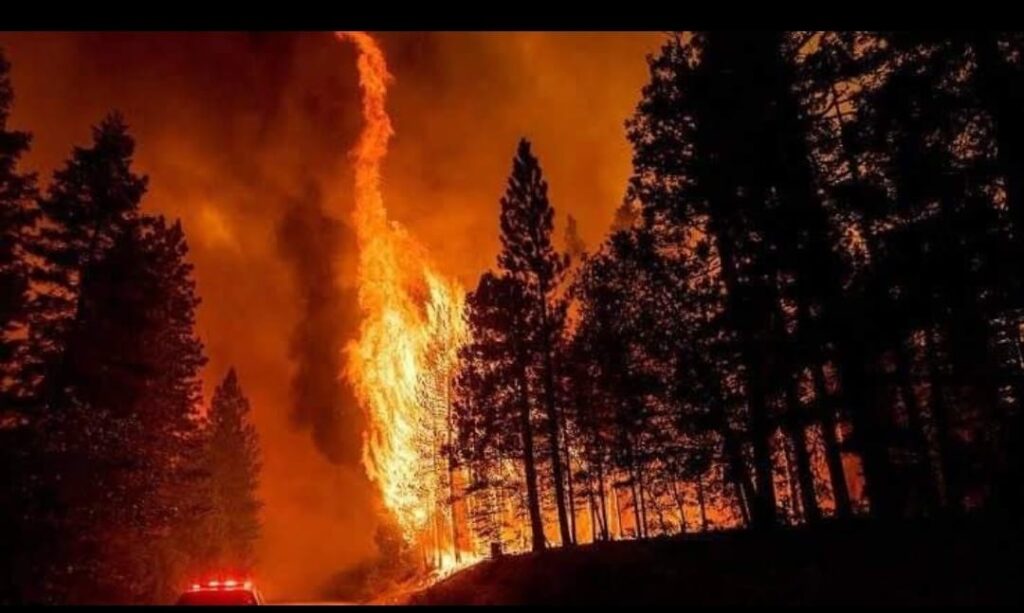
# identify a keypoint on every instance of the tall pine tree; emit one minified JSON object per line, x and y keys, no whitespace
{"x":234,"y":465}
{"x":17,"y":218}
{"x":91,"y":203}
{"x":118,"y":362}
{"x":528,"y":256}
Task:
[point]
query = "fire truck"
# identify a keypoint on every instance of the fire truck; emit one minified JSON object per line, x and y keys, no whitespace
{"x":222,"y":592}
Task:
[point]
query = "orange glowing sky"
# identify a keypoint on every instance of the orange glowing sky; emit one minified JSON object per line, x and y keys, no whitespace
{"x":232,"y":128}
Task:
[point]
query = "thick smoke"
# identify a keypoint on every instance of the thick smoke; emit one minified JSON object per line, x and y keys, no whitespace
{"x":311,"y":242}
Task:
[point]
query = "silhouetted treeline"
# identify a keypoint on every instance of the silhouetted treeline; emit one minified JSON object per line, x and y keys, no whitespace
{"x":117,"y":486}
{"x":808,"y":308}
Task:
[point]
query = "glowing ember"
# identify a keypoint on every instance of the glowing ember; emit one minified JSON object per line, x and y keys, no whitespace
{"x":402,"y":364}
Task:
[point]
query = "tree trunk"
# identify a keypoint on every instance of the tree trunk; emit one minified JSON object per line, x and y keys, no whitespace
{"x":456,"y":553}
{"x":764,"y":513}
{"x":603,"y":513}
{"x":618,"y":509}
{"x":592,"y":507}
{"x":804,"y":471}
{"x":833,"y":455}
{"x":553,"y":424}
{"x":637,"y":490}
{"x":680,"y":504}
{"x":568,"y":482}
{"x":737,"y":472}
{"x":702,"y":503}
{"x":741,"y":503}
{"x":529,"y":466}
{"x":792,"y":481}
{"x":868,"y":436}
{"x":657,"y":509}
{"x":915,"y":419}
{"x":940,"y":415}
{"x":637,"y":521}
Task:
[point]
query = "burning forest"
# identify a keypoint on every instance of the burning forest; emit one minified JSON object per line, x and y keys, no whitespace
{"x":510,"y":318}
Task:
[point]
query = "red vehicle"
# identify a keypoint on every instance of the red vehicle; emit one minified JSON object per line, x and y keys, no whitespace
{"x":227,"y":592}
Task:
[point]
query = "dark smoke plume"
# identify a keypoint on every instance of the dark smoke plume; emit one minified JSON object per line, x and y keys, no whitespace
{"x":311,"y":242}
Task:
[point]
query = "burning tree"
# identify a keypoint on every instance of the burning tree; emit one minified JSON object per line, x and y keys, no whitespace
{"x":402,"y":363}
{"x":435,"y":395}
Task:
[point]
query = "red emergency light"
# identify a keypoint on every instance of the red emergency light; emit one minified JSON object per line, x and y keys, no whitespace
{"x":228,"y":584}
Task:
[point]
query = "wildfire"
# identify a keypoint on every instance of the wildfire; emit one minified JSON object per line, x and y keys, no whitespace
{"x":403,"y":361}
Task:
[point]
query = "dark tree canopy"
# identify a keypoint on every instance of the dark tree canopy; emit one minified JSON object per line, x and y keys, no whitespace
{"x":17,"y":219}
{"x":809,"y":304}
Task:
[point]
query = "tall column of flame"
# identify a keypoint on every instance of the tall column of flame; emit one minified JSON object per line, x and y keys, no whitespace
{"x":410,"y":331}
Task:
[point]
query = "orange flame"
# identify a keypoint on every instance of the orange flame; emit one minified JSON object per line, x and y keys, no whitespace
{"x":402,"y":363}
